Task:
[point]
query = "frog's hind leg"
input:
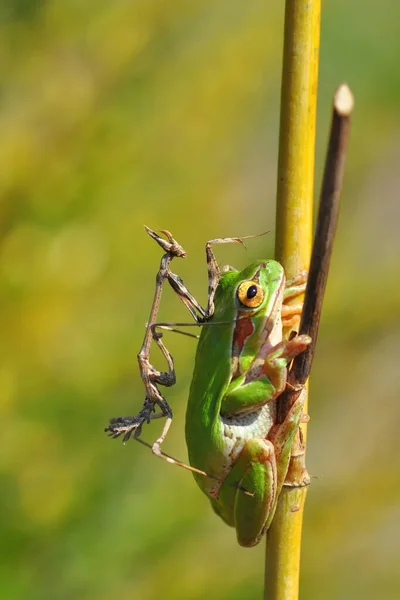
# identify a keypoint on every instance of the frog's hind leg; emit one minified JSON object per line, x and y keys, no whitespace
{"x":282,"y":436}
{"x":254,"y":471}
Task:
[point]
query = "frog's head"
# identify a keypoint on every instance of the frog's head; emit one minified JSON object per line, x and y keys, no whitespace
{"x":258,"y":295}
{"x":260,"y":288}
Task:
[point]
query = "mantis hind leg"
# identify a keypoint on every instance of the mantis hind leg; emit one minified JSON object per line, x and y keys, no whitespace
{"x":255,"y":472}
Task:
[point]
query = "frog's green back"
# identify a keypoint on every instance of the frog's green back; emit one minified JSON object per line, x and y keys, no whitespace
{"x":212,"y":370}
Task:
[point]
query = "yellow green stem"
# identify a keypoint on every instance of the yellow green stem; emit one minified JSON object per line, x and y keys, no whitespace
{"x":284,"y":545}
{"x":297,"y":135}
{"x":293,"y":251}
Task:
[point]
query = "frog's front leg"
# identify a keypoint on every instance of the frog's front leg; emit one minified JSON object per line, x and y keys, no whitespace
{"x":254,"y":471}
{"x":275,"y":366}
{"x":294,"y":287}
{"x":264,"y":380}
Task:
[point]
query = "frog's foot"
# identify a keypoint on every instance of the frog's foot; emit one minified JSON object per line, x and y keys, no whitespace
{"x":293,"y":320}
{"x":254,"y":471}
{"x":295,"y":286}
{"x":284,"y":353}
{"x":291,"y":314}
{"x":305,"y":418}
{"x":275,"y":366}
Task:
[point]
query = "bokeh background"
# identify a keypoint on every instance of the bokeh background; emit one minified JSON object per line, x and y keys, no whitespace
{"x":119,"y":114}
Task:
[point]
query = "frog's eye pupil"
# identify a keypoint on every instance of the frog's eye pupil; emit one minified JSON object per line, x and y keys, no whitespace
{"x":251,"y":292}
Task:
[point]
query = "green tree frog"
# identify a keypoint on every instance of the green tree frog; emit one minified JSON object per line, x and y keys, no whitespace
{"x":241,"y":364}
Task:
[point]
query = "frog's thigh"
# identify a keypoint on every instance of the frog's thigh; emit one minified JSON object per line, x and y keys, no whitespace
{"x":255,"y":472}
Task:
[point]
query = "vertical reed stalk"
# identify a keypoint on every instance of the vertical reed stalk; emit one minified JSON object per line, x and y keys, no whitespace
{"x":293,"y":250}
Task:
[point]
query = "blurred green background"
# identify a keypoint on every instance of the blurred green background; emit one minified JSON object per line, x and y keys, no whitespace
{"x":119,"y":114}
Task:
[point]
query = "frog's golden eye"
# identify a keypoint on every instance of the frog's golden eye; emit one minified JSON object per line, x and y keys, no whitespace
{"x":250,"y":294}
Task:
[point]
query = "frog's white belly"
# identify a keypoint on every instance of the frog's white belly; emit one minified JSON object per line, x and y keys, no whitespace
{"x":236,"y":431}
{"x":240,"y":428}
